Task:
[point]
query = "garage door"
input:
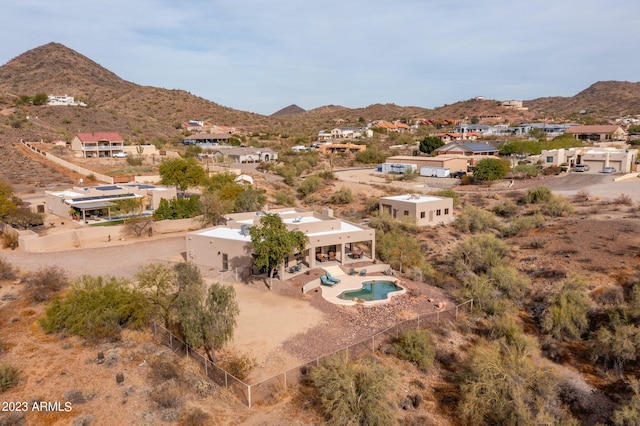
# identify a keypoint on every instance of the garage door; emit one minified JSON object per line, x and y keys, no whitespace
{"x":616,"y":164}
{"x":595,"y":165}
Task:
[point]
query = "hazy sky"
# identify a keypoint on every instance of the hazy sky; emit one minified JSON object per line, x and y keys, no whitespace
{"x":263,"y":55}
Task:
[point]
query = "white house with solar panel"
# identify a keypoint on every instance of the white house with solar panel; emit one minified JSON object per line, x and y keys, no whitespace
{"x":97,"y":203}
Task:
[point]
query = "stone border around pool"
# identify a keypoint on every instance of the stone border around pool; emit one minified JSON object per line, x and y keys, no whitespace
{"x":354,"y":282}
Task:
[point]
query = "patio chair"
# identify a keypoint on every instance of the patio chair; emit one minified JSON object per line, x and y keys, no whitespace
{"x":363,"y":272}
{"x":356,"y":253}
{"x":331,"y":278}
{"x":325,"y":281}
{"x":332,"y":256}
{"x":352,"y":271}
{"x":319,"y":257}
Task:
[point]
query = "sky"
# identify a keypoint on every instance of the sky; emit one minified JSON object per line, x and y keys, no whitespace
{"x":263,"y":55}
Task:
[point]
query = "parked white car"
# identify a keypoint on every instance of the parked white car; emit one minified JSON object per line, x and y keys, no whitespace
{"x":120,"y":154}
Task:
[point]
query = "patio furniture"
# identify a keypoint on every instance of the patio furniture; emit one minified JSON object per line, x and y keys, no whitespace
{"x":331,"y":278}
{"x":294,"y":269}
{"x":356,"y":253}
{"x":320,"y":257}
{"x":363,"y":272}
{"x":325,"y":281}
{"x":352,"y":271}
{"x":332,"y":256}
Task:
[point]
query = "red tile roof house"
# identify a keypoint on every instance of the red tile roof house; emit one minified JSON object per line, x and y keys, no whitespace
{"x":97,"y":144}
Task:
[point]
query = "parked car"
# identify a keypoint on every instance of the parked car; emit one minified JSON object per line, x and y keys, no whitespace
{"x":120,"y":155}
{"x":458,"y":174}
{"x":609,"y":170}
{"x":582,"y":168}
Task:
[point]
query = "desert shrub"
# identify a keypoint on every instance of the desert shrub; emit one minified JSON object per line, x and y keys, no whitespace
{"x":195,"y":417}
{"x":537,"y":243}
{"x":167,"y":395}
{"x":46,"y":281}
{"x":416,"y":347}
{"x":509,"y":281}
{"x":507,"y":384}
{"x":372,"y":204}
{"x":617,"y":344}
{"x":354,"y":392}
{"x":582,"y":195}
{"x":474,"y":219}
{"x":505,"y":327}
{"x":450,"y":193}
{"x":485,"y":297}
{"x":536,"y":195}
{"x":491,"y":169}
{"x":399,"y":250}
{"x":479,"y":253}
{"x":567,"y":308}
{"x":526,"y":171}
{"x":7,"y":271}
{"x":342,"y":196}
{"x":327,"y":175}
{"x":285,"y":198}
{"x":505,"y":208}
{"x":9,"y":377}
{"x":371,"y":155}
{"x":178,"y":208}
{"x":97,"y":308}
{"x":551,"y":170}
{"x":628,"y":413}
{"x":309,"y":185}
{"x":523,"y":223}
{"x":623,"y":199}
{"x":556,"y":206}
{"x":467,"y":180}
{"x":10,"y":239}
{"x":237,"y":364}
{"x":164,"y":369}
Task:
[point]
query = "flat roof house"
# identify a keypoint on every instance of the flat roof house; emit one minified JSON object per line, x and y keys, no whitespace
{"x":97,"y":202}
{"x":247,"y":154}
{"x":427,"y":210}
{"x":596,"y":158}
{"x":331,"y":241}
{"x":598,"y":133}
{"x":97,"y":144}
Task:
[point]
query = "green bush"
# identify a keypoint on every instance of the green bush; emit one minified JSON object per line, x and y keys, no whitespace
{"x":556,"y":206}
{"x":285,"y":198}
{"x":309,"y":185}
{"x":480,"y":253}
{"x":505,"y":208}
{"x":474,"y":219}
{"x":490,"y":169}
{"x":526,"y":171}
{"x":237,"y":364}
{"x":524,"y":223}
{"x":371,"y":155}
{"x":354,"y":393}
{"x":178,"y":208}
{"x":536,"y":195}
{"x":9,"y":377}
{"x":568,"y":305}
{"x":342,"y":196}
{"x":97,"y":308}
{"x":416,"y":347}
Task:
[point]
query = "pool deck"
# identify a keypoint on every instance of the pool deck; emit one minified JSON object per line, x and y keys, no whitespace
{"x":354,"y":282}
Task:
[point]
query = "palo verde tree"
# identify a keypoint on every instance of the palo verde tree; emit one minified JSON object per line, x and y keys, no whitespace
{"x":272,"y":243}
{"x":158,"y":282}
{"x":206,"y":317}
{"x":182,"y":172}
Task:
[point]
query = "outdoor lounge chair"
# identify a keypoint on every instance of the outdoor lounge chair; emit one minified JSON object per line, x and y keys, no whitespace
{"x":352,"y":271}
{"x":325,"y":281}
{"x":331,"y":278}
{"x":356,"y":253}
{"x":363,"y":272}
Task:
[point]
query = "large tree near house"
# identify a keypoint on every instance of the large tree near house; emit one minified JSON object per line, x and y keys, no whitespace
{"x":272,"y":243}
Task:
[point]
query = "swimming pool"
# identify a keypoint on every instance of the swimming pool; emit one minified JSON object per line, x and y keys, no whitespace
{"x":372,"y":290}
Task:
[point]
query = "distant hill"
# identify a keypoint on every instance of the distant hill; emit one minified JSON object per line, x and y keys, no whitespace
{"x":142,"y":113}
{"x":290,"y":110}
{"x":603,"y":99}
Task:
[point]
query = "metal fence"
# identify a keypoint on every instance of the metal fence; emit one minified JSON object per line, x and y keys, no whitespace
{"x":265,"y":389}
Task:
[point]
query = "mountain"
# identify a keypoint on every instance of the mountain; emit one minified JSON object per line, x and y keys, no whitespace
{"x":291,"y":109}
{"x":602,"y":99}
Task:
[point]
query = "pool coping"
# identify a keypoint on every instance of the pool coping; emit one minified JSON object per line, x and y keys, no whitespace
{"x":354,"y":282}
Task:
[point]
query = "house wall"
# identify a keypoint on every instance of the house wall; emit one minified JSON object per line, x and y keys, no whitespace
{"x":451,"y":163}
{"x":431,"y":212}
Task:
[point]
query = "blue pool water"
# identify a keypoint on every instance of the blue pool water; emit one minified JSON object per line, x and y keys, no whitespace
{"x":371,"y":290}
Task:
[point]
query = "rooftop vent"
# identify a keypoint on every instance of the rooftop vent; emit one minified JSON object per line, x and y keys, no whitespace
{"x":244,"y":230}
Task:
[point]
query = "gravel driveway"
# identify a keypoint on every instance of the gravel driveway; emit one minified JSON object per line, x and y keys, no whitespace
{"x":121,"y":260}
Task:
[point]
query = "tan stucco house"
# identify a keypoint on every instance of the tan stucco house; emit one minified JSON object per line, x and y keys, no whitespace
{"x":97,"y":144}
{"x":596,"y":158}
{"x":427,"y":210}
{"x":332,"y":241}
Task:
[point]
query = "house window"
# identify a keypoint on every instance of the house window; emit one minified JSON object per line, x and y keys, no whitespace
{"x":406,"y":212}
{"x":446,"y":211}
{"x":549,"y":159}
{"x":422,"y":215}
{"x":438,"y":212}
